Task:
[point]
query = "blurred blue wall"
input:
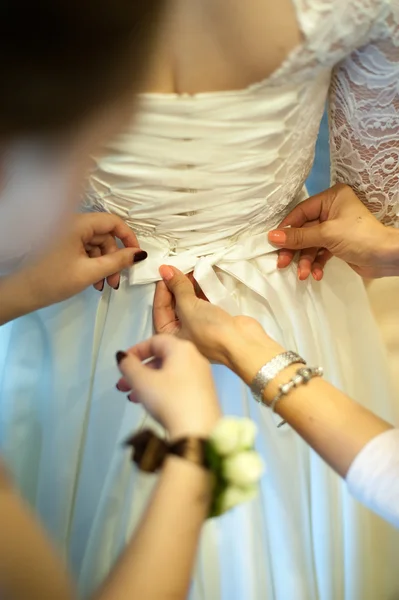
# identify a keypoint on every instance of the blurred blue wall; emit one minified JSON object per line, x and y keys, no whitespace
{"x":319,"y":179}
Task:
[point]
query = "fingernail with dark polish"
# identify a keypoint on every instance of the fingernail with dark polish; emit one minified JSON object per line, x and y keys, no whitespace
{"x":117,"y":287}
{"x":120,"y":356}
{"x":139,"y":256}
{"x":118,"y":388}
{"x":102,"y":287}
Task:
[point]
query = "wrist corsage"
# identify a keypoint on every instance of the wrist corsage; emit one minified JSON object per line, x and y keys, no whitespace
{"x":228,"y":454}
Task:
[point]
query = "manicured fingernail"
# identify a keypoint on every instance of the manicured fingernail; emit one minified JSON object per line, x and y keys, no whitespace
{"x":118,"y":388}
{"x":102,"y":287}
{"x":132,"y":399}
{"x":140,"y":256}
{"x":120,"y":356}
{"x":117,"y":286}
{"x":277,"y":237}
{"x":302,"y":274}
{"x":280,"y":262}
{"x":317,"y":274}
{"x":166,"y":273}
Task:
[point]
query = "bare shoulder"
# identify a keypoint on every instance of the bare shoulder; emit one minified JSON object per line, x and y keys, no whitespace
{"x":213,"y":45}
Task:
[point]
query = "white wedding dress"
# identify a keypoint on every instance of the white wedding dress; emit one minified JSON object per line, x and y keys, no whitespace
{"x":201,"y":179}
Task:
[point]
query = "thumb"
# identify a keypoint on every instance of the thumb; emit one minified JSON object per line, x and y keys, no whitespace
{"x":177,"y":283}
{"x":297,"y":239}
{"x":109,"y":264}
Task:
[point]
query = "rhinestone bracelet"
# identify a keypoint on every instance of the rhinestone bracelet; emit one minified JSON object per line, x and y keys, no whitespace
{"x":270,"y":370}
{"x":301,"y":377}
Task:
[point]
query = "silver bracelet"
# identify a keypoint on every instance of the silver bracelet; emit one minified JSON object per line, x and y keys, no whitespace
{"x":301,"y":377}
{"x":270,"y":370}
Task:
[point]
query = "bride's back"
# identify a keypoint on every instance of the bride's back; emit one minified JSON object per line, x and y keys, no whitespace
{"x":227,"y":132}
{"x":217,"y":45}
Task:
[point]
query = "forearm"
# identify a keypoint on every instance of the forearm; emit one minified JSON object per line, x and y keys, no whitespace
{"x":158,"y":561}
{"x":29,"y":566}
{"x":335,"y":426}
{"x":16,"y":298}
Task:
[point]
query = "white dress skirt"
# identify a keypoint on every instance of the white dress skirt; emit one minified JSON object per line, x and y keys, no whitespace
{"x":201,"y":180}
{"x":303,"y":538}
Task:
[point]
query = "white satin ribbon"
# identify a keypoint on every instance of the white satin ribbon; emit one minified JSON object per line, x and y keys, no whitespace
{"x":227,"y":259}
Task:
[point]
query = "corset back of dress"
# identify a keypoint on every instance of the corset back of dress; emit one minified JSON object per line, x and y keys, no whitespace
{"x":198,"y":175}
{"x":204,"y":169}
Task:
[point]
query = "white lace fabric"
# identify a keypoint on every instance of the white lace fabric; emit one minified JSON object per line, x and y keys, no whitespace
{"x":364,"y":130}
{"x":362,"y":38}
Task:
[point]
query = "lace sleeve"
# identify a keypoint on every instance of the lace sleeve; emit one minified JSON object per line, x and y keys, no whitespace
{"x":364,"y":124}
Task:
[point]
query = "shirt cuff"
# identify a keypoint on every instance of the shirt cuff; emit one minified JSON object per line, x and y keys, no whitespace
{"x":373,"y":477}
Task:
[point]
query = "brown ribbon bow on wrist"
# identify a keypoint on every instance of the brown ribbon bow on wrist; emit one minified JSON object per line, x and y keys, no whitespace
{"x":149,"y":451}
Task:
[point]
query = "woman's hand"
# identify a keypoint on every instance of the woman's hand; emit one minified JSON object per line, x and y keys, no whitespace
{"x":336,"y":223}
{"x":176,"y":386}
{"x":179,"y":311}
{"x":218,"y":336}
{"x":88,"y":255}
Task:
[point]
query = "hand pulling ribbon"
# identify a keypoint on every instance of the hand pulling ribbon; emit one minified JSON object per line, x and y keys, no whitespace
{"x":228,"y":454}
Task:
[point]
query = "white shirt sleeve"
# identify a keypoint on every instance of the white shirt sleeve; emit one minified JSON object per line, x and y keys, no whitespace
{"x":373,"y":477}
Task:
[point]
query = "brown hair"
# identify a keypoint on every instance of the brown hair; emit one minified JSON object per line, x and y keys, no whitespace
{"x":62,"y":59}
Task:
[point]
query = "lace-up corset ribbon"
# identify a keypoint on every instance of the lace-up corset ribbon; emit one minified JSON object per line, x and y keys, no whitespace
{"x":202,"y":179}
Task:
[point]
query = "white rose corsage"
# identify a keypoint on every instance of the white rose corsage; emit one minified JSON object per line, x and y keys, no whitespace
{"x":228,"y":453}
{"x":235,"y":463}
